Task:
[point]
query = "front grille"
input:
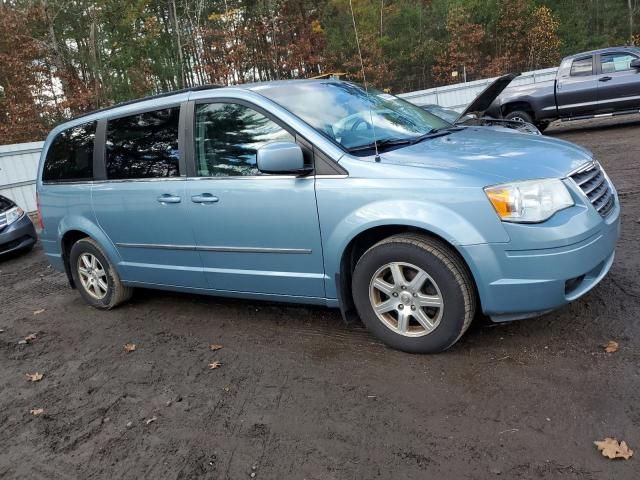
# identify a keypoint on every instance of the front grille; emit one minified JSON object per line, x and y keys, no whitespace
{"x":593,"y":182}
{"x":3,"y":221}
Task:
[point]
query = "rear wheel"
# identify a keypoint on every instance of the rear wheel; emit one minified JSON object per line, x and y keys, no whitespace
{"x":519,"y":116}
{"x":414,"y":293}
{"x":94,"y":276}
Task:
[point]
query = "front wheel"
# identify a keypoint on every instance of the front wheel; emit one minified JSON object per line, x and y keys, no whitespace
{"x":414,"y":293}
{"x":519,"y":116}
{"x":93,"y":274}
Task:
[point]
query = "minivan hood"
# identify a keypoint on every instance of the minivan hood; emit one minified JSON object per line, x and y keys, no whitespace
{"x":494,"y":155}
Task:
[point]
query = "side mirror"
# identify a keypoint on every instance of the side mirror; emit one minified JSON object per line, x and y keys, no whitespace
{"x":281,"y":157}
{"x":635,"y":63}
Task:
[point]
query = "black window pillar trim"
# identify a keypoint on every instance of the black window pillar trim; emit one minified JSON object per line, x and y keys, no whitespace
{"x":99,"y":149}
{"x":187,"y":130}
{"x":183,"y":137}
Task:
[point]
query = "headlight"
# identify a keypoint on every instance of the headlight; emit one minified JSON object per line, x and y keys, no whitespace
{"x":532,"y":201}
{"x":14,"y":214}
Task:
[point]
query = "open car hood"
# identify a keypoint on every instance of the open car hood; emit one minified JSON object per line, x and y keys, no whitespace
{"x":484,"y":100}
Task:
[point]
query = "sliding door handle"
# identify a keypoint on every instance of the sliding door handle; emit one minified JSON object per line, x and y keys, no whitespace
{"x":605,"y":79}
{"x":168,"y":198}
{"x":204,"y":198}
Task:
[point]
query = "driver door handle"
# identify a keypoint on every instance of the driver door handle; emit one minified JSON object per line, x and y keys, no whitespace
{"x":204,"y":198}
{"x":605,"y":79}
{"x":168,"y":198}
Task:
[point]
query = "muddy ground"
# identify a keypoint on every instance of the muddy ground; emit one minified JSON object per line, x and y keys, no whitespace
{"x":302,"y":396}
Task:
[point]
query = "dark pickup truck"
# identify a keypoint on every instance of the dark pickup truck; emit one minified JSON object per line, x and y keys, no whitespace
{"x":592,"y":84}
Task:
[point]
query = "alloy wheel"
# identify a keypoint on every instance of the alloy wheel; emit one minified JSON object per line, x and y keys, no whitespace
{"x":93,"y":276}
{"x":406,"y":299}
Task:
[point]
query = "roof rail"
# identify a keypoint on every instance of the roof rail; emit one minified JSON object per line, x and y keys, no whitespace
{"x":150,"y":97}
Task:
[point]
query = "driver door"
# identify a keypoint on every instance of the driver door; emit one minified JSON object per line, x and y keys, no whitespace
{"x":256,"y":233}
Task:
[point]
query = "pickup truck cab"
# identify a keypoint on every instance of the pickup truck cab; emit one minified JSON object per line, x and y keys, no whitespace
{"x":321,"y":192}
{"x":599,"y":83}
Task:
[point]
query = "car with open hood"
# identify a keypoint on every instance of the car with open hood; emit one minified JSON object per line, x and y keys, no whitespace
{"x":324,"y":192}
{"x":476,"y":112}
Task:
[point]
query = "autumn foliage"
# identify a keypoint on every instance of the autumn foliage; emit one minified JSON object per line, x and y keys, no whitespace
{"x":61,"y":58}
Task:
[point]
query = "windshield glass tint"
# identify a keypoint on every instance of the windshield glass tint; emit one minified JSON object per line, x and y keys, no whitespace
{"x":345,"y":113}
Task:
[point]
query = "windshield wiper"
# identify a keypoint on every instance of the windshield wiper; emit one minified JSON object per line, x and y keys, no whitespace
{"x":389,"y":142}
{"x":435,"y":133}
{"x":394,"y":142}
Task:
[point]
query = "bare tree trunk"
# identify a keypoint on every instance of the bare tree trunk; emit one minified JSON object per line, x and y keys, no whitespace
{"x":176,"y":28}
{"x":631,"y":12}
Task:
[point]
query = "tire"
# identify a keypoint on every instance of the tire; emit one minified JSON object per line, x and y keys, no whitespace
{"x":115,"y":292}
{"x":519,"y":116}
{"x":448,"y":279}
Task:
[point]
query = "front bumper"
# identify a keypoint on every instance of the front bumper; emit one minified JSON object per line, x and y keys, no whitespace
{"x":19,"y":235}
{"x":514,"y":284}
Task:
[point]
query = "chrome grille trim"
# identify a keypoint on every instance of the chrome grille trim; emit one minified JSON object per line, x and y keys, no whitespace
{"x":592,"y":180}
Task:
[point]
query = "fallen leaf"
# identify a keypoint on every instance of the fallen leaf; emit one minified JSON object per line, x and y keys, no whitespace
{"x":611,"y":346}
{"x":611,"y":449}
{"x":28,"y":339}
{"x":36,"y":411}
{"x":129,"y":347}
{"x":215,"y":364}
{"x":150,"y":420}
{"x":34,"y":377}
{"x":213,"y":347}
{"x":38,"y":312}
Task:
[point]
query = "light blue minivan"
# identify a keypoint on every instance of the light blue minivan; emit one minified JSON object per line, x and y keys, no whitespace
{"x":321,"y":192}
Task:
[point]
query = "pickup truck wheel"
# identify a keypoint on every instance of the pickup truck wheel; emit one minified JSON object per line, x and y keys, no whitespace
{"x":414,"y":293}
{"x":97,"y":281}
{"x":519,"y":116}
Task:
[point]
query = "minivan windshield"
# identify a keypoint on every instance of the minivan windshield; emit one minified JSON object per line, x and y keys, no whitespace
{"x":349,"y":116}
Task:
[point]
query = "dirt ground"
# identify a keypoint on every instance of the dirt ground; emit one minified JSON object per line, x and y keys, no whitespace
{"x":300,"y":395}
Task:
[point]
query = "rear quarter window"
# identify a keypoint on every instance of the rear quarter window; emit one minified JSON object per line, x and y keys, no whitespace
{"x":70,"y":155}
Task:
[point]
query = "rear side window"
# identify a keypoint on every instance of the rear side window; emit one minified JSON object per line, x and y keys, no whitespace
{"x":70,"y":156}
{"x":582,"y":67}
{"x":144,"y":145}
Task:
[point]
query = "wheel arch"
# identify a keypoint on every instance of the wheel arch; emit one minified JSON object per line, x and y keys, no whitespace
{"x":72,"y":229}
{"x":367,"y":238}
{"x":523,"y":105}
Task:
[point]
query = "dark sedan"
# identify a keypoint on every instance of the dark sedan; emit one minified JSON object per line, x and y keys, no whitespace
{"x":17,"y":233}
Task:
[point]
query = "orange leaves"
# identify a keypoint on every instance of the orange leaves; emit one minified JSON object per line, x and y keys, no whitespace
{"x":215,"y":347}
{"x":129,"y":347}
{"x":611,"y":346}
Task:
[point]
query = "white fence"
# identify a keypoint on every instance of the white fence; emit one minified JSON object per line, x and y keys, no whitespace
{"x":18,"y":170}
{"x":19,"y":163}
{"x":460,"y":95}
